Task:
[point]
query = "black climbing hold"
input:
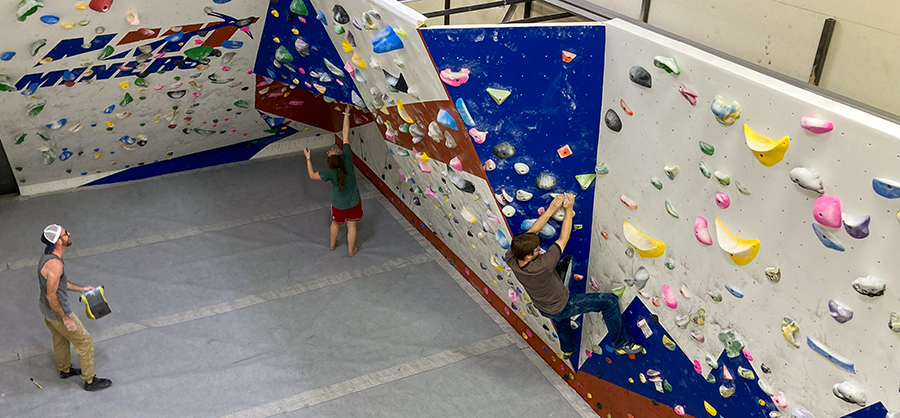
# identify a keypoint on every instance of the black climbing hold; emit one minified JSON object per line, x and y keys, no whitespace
{"x":612,"y":121}
{"x":246,"y":21}
{"x":765,"y":368}
{"x":179,"y":63}
{"x":397,"y":83}
{"x":340,"y":15}
{"x":504,"y":150}
{"x":655,"y":318}
{"x":545,"y":181}
{"x":655,"y":403}
{"x":202,"y":33}
{"x":599,"y":406}
{"x":176,"y":94}
{"x":640,"y":76}
{"x":566,"y":377}
{"x":469,"y":233}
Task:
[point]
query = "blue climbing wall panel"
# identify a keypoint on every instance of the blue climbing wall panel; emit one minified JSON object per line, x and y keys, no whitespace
{"x":284,"y":30}
{"x":551,"y":104}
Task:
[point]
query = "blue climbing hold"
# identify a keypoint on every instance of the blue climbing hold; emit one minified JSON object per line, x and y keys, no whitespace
{"x":57,"y":125}
{"x":50,"y":19}
{"x":321,"y":18}
{"x":175,"y":37}
{"x":6,"y":56}
{"x":65,"y":155}
{"x":109,"y":110}
{"x":386,"y":40}
{"x":31,"y":89}
{"x":502,"y":239}
{"x":127,"y":140}
{"x":232,"y":44}
{"x":547,"y":232}
{"x":827,"y":239}
{"x":445,"y":119}
{"x":221,"y":1}
{"x":886,"y":188}
{"x":735,"y":291}
{"x":68,"y":76}
{"x":464,"y":112}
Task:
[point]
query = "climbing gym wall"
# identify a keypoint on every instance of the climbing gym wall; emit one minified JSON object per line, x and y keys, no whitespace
{"x":99,"y":91}
{"x":749,"y":224}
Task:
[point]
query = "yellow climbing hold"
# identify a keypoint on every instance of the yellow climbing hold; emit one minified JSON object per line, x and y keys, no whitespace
{"x":110,"y":124}
{"x":403,"y":114}
{"x":709,"y":409}
{"x":81,"y":6}
{"x":644,"y":245}
{"x":472,"y":220}
{"x":295,"y":31}
{"x":423,"y":157}
{"x":277,"y":40}
{"x":767,"y":151}
{"x":125,"y":85}
{"x":97,"y":155}
{"x":67,"y":25}
{"x":385,"y":110}
{"x":45,"y":61}
{"x":274,"y":12}
{"x":319,"y":88}
{"x":357,"y":61}
{"x":668,"y":343}
{"x":346,"y":45}
{"x":742,"y":251}
{"x":498,"y":95}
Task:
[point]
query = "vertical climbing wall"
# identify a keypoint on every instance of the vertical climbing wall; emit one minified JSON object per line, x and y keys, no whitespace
{"x":705,"y":286}
{"x":138,"y":90}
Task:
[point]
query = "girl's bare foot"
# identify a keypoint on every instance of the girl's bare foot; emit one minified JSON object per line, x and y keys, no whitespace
{"x":333,"y":245}
{"x":353,"y":251}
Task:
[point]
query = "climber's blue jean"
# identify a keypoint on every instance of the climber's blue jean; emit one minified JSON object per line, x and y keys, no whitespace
{"x":607,"y":303}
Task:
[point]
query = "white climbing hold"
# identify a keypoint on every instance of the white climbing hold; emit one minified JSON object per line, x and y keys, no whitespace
{"x":523,"y":196}
{"x":808,"y":179}
{"x":521,"y":168}
{"x":850,"y":392}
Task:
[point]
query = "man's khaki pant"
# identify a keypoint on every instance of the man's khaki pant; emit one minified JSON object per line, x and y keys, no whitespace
{"x":84,"y":346}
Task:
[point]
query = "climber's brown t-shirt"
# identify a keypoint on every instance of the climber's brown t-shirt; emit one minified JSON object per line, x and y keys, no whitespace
{"x":541,"y":281}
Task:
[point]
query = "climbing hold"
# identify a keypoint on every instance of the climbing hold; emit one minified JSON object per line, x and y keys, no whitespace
{"x":766,"y":387}
{"x":505,"y":150}
{"x":850,"y":392}
{"x":697,"y":336}
{"x":746,"y":373}
{"x":240,"y":103}
{"x":445,"y":119}
{"x":735,"y":291}
{"x":547,"y":232}
{"x":6,"y":56}
{"x":489,"y":165}
{"x":640,"y":278}
{"x":668,"y":64}
{"x":456,"y":164}
{"x":682,"y":321}
{"x":27,"y":8}
{"x":688,"y":94}
{"x":568,"y":56}
{"x":545,"y":181}
{"x":744,"y":191}
{"x":459,"y":182}
{"x":133,"y":19}
{"x":894,"y":322}
{"x":707,"y":148}
{"x":679,"y":410}
{"x":468,"y":217}
{"x":50,"y":19}
{"x":886,"y":188}
{"x":699,"y":317}
{"x":827,"y":211}
{"x":124,"y":85}
{"x":283,"y":55}
{"x":454,"y":78}
{"x":709,"y":409}
{"x":767,"y":151}
{"x":35,"y":108}
{"x":808,"y":179}
{"x":564,"y":151}
{"x":57,"y":124}
{"x":20,"y":138}
{"x":827,"y":238}
{"x":791,"y":331}
{"x":627,"y":201}
{"x":463,"y":111}
{"x":337,"y":28}
{"x":521,"y":168}
{"x":773,"y":274}
{"x":644,"y":245}
{"x":668,"y":295}
{"x":723,"y":178}
{"x":672,"y":171}
{"x":126,"y":100}
{"x":498,"y":95}
{"x":870,"y":286}
{"x":618,"y":291}
{"x":818,"y":126}
{"x":585,"y":180}
{"x":36,"y":46}
{"x":799,"y":412}
{"x":77,"y":128}
{"x":723,"y":200}
{"x":830,"y":354}
{"x":601,"y":169}
{"x":704,"y":169}
{"x":397,"y":83}
{"x":333,"y":68}
{"x":668,"y":343}
{"x":670,"y":209}
{"x":856,"y":226}
{"x":840,"y":312}
{"x":742,"y":251}
{"x":177,"y":94}
{"x":734,"y":343}
{"x":477,"y":136}
{"x":502,"y":239}
{"x":724,"y":113}
{"x":612,"y":121}
{"x":640,"y":76}
{"x":625,"y":107}
{"x":340,"y":14}
{"x":656,"y":183}
{"x":523,"y":196}
{"x":386,"y":40}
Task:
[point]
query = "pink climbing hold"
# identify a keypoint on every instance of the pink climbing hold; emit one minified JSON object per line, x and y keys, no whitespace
{"x":226,"y":68}
{"x":477,"y":135}
{"x":668,"y":295}
{"x":679,"y":409}
{"x":159,"y":55}
{"x":540,"y":211}
{"x":701,"y":231}
{"x":350,"y":69}
{"x":402,"y":177}
{"x":747,"y":354}
{"x":196,"y":94}
{"x":456,"y":164}
{"x":723,"y":200}
{"x":455,"y":78}
{"x":430,"y":193}
{"x":489,"y":165}
{"x":391,"y":137}
{"x":424,"y":167}
{"x":160,"y":87}
{"x":827,"y":211}
{"x":513,"y":295}
{"x":817,"y":126}
{"x":697,"y":367}
{"x":779,"y":400}
{"x":688,"y":94}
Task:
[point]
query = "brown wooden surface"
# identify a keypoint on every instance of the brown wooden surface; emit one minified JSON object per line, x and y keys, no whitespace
{"x":314,"y":111}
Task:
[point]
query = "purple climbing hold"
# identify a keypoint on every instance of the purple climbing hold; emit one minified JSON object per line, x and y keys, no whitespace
{"x":840,"y":312}
{"x":857,"y":226}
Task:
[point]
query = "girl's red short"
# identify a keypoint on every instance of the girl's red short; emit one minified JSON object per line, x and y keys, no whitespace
{"x":339,"y":216}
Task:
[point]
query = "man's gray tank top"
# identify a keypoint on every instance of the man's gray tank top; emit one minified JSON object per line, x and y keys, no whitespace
{"x":62,"y":292}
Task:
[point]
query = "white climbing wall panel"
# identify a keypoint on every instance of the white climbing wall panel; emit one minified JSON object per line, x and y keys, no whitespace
{"x":665,"y":130}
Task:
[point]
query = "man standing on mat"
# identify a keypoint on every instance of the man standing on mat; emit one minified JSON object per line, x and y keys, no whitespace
{"x":63,"y":324}
{"x":540,"y":274}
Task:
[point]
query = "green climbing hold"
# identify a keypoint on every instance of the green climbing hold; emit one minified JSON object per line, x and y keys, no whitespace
{"x":707,"y":149}
{"x":656,"y":183}
{"x":35,"y":108}
{"x":204,"y":131}
{"x":28,"y":8}
{"x":69,"y":170}
{"x":6,"y":84}
{"x":723,"y":178}
{"x":667,"y":385}
{"x":106,"y":52}
{"x":668,"y":64}
{"x":298,"y":7}
{"x":43,"y":137}
{"x":241,"y":104}
{"x":671,"y":209}
{"x":337,"y":28}
{"x":670,"y":264}
{"x":21,"y":138}
{"x":37,"y":45}
{"x":734,"y":343}
{"x":450,"y":234}
{"x":19,"y":169}
{"x":705,"y":170}
{"x":140,"y":82}
{"x":404,"y":128}
{"x":618,"y":291}
{"x":498,"y":95}
{"x":585,"y":180}
{"x":450,"y":260}
{"x":125,"y":100}
{"x":283,"y":55}
{"x":199,"y":53}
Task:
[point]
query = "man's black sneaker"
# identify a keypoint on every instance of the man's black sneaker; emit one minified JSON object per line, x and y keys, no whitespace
{"x":72,"y":372}
{"x":629,"y":348}
{"x":99,"y":383}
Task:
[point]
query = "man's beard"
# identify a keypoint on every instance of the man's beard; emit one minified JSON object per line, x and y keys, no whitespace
{"x":67,"y":243}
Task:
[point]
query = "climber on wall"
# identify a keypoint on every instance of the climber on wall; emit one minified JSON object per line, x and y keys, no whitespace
{"x":346,"y":205}
{"x":540,"y":274}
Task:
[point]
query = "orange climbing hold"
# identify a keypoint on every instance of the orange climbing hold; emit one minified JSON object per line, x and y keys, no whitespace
{"x":568,"y":56}
{"x":625,"y":107}
{"x":564,"y":152}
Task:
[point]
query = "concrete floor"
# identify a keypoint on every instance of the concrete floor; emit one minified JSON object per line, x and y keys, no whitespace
{"x":226,"y":301}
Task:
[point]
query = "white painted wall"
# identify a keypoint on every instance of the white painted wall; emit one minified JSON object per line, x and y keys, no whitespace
{"x":665,"y":130}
